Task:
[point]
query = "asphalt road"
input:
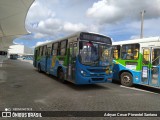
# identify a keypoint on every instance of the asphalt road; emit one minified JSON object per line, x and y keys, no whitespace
{"x":22,"y":86}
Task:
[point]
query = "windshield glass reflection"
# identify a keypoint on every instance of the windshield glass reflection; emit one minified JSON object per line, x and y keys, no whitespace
{"x":95,"y":54}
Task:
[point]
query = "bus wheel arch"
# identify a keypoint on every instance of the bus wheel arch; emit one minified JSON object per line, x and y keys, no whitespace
{"x":126,"y":78}
{"x":60,"y":74}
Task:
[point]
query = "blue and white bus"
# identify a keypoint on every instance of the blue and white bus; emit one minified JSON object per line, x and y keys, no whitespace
{"x":81,"y":58}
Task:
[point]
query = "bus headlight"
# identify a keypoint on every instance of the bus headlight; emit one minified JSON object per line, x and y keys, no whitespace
{"x":110,"y":71}
{"x":83,"y":73}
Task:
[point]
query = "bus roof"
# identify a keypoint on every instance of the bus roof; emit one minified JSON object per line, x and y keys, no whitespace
{"x":69,"y":36}
{"x":143,"y":40}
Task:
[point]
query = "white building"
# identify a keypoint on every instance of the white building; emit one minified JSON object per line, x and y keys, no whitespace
{"x":20,"y":50}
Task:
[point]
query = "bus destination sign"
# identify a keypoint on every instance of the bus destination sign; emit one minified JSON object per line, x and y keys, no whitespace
{"x":95,"y":37}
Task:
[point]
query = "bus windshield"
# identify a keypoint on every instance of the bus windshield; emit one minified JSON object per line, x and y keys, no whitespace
{"x":95,"y":54}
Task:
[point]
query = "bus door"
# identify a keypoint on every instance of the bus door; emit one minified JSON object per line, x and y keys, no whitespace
{"x":43,"y":59}
{"x":151,"y":66}
{"x":48,"y":59}
{"x":146,"y":65}
{"x":72,"y":61}
{"x":155,"y":68}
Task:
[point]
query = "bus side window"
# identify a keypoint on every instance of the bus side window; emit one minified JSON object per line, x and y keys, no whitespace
{"x":38,"y":51}
{"x":54,"y":48}
{"x":116,"y":52}
{"x":44,"y":50}
{"x":41,"y":51}
{"x":62,"y":47}
{"x":156,"y":56}
{"x":75,"y":49}
{"x":136,"y":51}
{"x":146,"y":54}
{"x":49,"y":46}
{"x":130,"y":52}
{"x":124,"y":53}
{"x":135,"y":54}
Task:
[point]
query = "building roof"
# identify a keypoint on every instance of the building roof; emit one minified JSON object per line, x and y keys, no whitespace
{"x":12,"y":20}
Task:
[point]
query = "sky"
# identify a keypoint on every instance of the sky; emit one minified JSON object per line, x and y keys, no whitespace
{"x":119,"y":19}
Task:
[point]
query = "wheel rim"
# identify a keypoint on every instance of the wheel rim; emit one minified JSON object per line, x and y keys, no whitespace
{"x":126,"y":79}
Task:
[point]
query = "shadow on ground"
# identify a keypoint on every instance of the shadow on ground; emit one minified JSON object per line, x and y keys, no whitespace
{"x":78,"y":87}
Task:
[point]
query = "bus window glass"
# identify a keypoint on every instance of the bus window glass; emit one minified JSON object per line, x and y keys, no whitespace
{"x":63,"y":44}
{"x":44,"y":50}
{"x":41,"y":51}
{"x":89,"y":53}
{"x":62,"y":52}
{"x":48,"y":51}
{"x":146,"y":56}
{"x":38,"y":51}
{"x":105,"y":54}
{"x":49,"y":46}
{"x":55,"y":47}
{"x":156,"y":56}
{"x":116,"y":51}
{"x":130,"y":52}
{"x":95,"y":54}
{"x":63,"y":48}
{"x":75,"y":49}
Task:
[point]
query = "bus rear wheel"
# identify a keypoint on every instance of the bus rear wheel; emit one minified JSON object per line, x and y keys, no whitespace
{"x":126,"y":79}
{"x":61,"y":75}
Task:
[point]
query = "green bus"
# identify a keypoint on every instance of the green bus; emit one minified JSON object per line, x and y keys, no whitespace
{"x":137,"y":61}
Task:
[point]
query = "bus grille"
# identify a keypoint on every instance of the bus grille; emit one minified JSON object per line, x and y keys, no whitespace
{"x":97,"y":70}
{"x":96,"y":75}
{"x":97,"y":79}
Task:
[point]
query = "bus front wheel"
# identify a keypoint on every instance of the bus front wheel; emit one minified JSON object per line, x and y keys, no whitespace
{"x":126,"y":79}
{"x":39,"y":68}
{"x":61,"y":75}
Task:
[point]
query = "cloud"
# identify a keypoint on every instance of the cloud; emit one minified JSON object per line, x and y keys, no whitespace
{"x":51,"y":17}
{"x":54,"y":26}
{"x":102,"y":11}
{"x":38,"y":35}
{"x":70,"y":27}
{"x":39,"y":12}
{"x":49,"y":26}
{"x":112,"y":11}
{"x":119,"y":19}
{"x":39,"y":17}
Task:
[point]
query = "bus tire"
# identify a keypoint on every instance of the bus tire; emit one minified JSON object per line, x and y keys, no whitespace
{"x":61,"y":75}
{"x":39,"y":68}
{"x":126,"y":79}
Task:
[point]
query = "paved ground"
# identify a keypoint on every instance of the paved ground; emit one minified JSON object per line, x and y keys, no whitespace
{"x":22,"y":86}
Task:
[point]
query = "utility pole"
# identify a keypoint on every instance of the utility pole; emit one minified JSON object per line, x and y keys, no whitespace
{"x":142,"y":17}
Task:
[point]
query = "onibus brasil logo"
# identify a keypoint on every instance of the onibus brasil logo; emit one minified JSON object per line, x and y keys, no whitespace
{"x":9,"y":113}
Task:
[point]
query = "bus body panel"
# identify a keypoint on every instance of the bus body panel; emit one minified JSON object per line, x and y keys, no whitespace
{"x":119,"y":68}
{"x":92,"y":75}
